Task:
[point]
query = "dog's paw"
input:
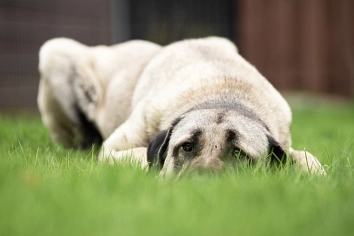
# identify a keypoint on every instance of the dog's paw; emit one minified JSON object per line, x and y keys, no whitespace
{"x":307,"y":162}
{"x":134,"y":155}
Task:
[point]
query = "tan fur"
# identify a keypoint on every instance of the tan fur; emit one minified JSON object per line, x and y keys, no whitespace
{"x":207,"y":100}
{"x":97,"y":80}
{"x":187,"y":75}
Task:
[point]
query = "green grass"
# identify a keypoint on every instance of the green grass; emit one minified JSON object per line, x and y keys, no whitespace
{"x":48,"y":190}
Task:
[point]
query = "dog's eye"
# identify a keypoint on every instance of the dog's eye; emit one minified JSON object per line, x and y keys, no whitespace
{"x":237,"y":151}
{"x":239,"y":154}
{"x":187,"y":147}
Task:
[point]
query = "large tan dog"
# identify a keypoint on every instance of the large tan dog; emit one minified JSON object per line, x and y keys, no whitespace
{"x":203,"y":107}
{"x":85,"y":92}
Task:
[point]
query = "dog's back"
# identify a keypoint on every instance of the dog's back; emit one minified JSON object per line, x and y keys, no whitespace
{"x":188,"y":73}
{"x":85,"y":92}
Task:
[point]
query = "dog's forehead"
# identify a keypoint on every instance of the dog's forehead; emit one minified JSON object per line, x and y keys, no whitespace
{"x":203,"y":120}
{"x":216,"y":126}
{"x":209,"y":118}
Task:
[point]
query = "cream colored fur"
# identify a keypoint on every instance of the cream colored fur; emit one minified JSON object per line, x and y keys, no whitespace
{"x":97,"y":81}
{"x":198,"y":92}
{"x":187,"y":74}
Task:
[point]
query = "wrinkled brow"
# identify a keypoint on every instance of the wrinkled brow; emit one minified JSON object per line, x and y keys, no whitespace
{"x":196,"y":135}
{"x":192,"y":136}
{"x":231,"y":136}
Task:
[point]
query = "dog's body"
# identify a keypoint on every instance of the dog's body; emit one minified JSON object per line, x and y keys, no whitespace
{"x":202,"y":106}
{"x":83,"y":89}
{"x":204,"y":94}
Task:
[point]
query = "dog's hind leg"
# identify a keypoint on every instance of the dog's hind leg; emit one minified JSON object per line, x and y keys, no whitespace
{"x":87,"y":87}
{"x":57,"y":115}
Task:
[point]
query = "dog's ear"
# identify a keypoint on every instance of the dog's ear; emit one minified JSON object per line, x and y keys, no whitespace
{"x":276,"y":152}
{"x":157,"y":148}
{"x":153,"y":151}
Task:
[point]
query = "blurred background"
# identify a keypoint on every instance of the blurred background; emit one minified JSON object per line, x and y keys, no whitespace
{"x":299,"y":45}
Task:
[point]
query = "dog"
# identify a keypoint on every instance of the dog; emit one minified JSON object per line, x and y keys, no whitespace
{"x":200,"y":106}
{"x":85,"y":92}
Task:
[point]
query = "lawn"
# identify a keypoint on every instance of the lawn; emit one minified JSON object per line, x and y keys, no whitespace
{"x":48,"y":190}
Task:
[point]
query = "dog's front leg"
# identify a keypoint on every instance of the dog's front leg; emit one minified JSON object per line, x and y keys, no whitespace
{"x":128,"y":141}
{"x":134,"y":155}
{"x":306,"y":161}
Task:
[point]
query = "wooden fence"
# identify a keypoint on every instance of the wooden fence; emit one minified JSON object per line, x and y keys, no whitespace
{"x":298,"y":44}
{"x":26,"y":25}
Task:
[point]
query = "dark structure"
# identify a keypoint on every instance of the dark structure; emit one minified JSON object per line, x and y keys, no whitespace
{"x":301,"y":44}
{"x":26,"y":25}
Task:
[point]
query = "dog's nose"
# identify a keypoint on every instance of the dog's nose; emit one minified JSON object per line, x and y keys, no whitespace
{"x":200,"y":171}
{"x":209,"y":167}
{"x":214,"y":164}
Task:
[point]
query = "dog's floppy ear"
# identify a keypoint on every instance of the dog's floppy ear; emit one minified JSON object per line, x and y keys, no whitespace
{"x":276,"y":152}
{"x":157,"y":149}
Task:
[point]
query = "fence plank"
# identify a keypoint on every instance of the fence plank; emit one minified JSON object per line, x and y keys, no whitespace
{"x":304,"y":45}
{"x":26,"y":25}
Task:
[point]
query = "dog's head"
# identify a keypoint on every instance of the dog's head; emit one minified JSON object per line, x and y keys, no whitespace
{"x":210,"y":139}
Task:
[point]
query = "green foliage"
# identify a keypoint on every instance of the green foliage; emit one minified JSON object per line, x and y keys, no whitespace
{"x":48,"y":190}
